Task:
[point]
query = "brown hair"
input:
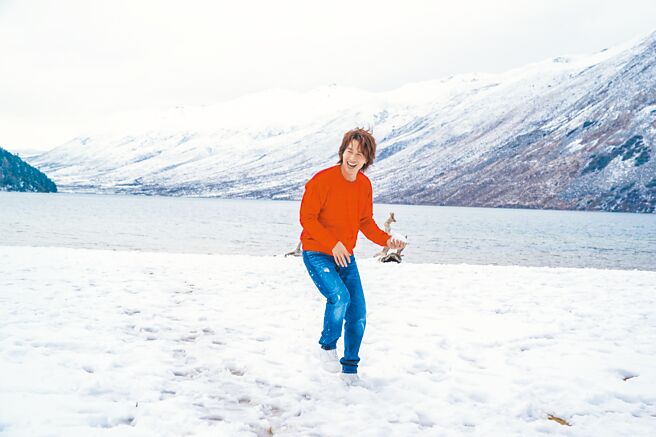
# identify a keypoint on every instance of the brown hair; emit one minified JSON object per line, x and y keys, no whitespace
{"x":367,"y":145}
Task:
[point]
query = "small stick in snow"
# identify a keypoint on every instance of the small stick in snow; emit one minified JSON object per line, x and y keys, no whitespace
{"x":558,"y":420}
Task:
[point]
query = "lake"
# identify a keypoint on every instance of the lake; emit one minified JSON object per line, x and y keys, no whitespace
{"x":436,"y":234}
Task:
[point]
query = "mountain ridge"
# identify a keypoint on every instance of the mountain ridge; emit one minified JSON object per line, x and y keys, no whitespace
{"x":571,"y":132}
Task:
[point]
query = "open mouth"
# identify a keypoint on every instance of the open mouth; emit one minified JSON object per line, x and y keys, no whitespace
{"x":351,"y":165}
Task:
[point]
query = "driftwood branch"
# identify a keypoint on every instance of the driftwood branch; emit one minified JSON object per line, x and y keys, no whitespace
{"x":385,"y":255}
{"x":295,"y":252}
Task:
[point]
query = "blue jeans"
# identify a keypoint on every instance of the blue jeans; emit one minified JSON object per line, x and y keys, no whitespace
{"x":342,"y":289}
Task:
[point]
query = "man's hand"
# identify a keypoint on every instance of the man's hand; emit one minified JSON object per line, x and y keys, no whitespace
{"x":341,"y":255}
{"x":393,"y":243}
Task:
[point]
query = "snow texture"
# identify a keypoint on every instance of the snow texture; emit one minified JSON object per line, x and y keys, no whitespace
{"x":96,"y":342}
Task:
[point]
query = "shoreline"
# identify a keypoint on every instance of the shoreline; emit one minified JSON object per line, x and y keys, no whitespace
{"x":358,"y":258}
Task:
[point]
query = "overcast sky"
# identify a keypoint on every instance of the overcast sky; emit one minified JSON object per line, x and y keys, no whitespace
{"x":65,"y":63}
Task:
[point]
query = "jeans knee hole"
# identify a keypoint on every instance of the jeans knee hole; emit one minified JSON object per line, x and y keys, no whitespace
{"x":339,"y":298}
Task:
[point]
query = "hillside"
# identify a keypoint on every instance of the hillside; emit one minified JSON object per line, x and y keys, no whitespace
{"x":573,"y":132}
{"x":17,"y":175}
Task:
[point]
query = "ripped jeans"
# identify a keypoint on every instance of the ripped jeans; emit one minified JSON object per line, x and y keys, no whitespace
{"x":345,"y":304}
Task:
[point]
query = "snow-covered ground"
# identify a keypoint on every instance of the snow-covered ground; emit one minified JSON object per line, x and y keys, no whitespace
{"x":123,"y":343}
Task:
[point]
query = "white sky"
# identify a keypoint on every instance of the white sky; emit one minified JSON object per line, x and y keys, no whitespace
{"x":66,"y":63}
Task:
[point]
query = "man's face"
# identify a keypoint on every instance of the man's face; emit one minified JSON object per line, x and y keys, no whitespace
{"x":353,"y":159}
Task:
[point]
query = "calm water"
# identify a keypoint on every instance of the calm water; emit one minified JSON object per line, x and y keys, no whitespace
{"x":263,"y":227}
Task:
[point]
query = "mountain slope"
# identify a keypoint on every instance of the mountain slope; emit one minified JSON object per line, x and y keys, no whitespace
{"x":568,"y":133}
{"x":17,"y":175}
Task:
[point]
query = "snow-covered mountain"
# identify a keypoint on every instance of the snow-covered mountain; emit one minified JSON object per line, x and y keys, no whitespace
{"x":573,"y":132}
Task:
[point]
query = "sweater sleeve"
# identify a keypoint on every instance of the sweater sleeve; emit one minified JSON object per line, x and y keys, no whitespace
{"x":309,"y":215}
{"x":367,"y":224}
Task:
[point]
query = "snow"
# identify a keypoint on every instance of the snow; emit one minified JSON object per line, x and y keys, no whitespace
{"x":576,"y":145}
{"x":101,"y":342}
{"x":284,"y":132}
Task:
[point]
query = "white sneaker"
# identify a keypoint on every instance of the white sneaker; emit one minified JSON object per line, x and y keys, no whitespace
{"x":329,"y":360}
{"x":350,"y":378}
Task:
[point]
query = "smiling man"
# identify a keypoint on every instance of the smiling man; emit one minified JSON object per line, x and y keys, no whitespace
{"x":336,"y":205}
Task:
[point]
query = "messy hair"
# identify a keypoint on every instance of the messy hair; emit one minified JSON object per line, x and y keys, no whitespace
{"x":367,"y":145}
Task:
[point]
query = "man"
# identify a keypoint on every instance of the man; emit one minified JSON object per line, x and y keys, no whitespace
{"x":337,"y":203}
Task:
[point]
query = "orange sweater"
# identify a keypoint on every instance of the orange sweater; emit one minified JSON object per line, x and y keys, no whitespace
{"x":334,"y":209}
